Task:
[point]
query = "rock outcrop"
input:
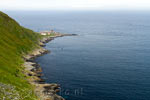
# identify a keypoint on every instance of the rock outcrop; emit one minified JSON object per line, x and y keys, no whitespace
{"x":43,"y":90}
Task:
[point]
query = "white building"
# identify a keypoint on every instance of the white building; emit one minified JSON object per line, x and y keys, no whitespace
{"x":43,"y":33}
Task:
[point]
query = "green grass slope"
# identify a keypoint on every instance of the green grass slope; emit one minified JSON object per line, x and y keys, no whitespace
{"x":15,"y":41}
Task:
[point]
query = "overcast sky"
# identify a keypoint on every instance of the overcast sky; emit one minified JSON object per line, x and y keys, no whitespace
{"x":74,"y":4}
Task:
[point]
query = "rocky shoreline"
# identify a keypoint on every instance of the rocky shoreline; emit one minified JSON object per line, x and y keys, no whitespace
{"x":44,"y":91}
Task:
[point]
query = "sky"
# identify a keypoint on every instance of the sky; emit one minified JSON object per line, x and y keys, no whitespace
{"x":74,"y":4}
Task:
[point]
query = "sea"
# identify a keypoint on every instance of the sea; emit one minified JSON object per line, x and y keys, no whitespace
{"x":109,"y":59}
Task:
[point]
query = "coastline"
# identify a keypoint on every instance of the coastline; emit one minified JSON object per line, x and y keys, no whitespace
{"x":44,"y":91}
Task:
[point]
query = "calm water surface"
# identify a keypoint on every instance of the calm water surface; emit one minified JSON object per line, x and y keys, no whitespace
{"x":108,"y":60}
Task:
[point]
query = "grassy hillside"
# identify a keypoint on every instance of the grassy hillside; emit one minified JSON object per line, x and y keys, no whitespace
{"x":15,"y":41}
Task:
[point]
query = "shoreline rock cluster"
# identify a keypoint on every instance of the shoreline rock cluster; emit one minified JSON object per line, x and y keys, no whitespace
{"x":44,"y":91}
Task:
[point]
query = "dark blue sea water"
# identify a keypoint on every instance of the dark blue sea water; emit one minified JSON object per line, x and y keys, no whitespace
{"x":108,"y":60}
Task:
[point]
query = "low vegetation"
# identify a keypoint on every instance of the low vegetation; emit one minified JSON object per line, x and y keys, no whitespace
{"x":15,"y":41}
